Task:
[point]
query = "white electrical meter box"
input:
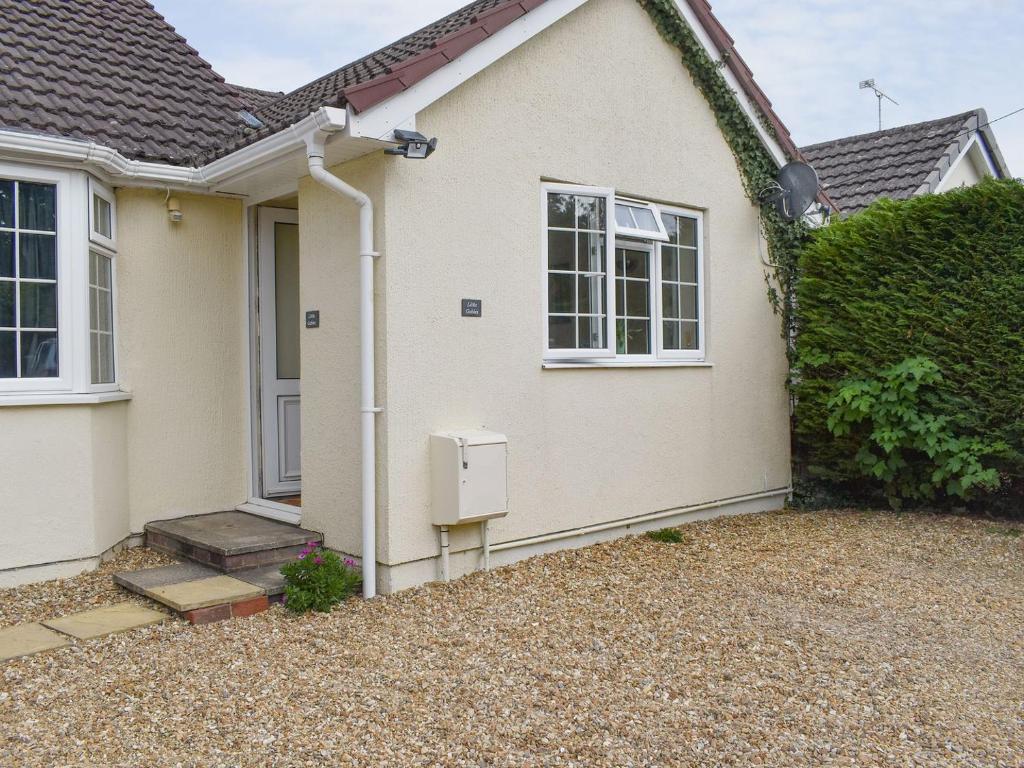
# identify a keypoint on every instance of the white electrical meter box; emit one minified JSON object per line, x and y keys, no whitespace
{"x":469,"y":476}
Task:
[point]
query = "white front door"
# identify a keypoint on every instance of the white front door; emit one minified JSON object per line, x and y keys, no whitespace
{"x":279,"y":351}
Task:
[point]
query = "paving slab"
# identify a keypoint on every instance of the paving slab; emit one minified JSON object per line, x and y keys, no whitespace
{"x":105,"y":621}
{"x":190,"y":595}
{"x":26,"y":639}
{"x":233,"y":533}
{"x":268,"y":578}
{"x":147,"y":578}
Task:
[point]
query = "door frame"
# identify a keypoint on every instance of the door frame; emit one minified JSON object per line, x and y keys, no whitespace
{"x":258,"y":503}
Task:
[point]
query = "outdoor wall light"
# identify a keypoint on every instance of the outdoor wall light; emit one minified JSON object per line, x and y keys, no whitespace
{"x":174,"y":210}
{"x":415,"y":146}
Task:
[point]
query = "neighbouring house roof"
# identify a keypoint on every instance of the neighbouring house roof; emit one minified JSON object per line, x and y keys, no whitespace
{"x":117,"y":73}
{"x":898,"y":163}
{"x":254,"y":98}
{"x":113,"y":73}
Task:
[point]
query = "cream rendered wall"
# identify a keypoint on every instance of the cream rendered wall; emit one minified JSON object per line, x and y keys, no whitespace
{"x":64,"y":493}
{"x":597,"y":99}
{"x":182,"y":342}
{"x":329,"y":281}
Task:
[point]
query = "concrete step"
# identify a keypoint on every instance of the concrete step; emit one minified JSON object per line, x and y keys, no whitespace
{"x":229,"y":541}
{"x":203,"y":595}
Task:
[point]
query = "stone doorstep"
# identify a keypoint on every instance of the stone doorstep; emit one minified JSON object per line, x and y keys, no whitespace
{"x":26,"y":639}
{"x":99,"y":622}
{"x":204,"y":593}
{"x":230,"y":533}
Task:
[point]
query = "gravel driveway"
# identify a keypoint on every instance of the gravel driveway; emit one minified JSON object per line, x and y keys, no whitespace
{"x":785,"y":639}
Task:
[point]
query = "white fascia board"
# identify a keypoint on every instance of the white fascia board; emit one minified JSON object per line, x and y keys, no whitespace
{"x":399,"y":111}
{"x":748,"y":106}
{"x":114,"y":167}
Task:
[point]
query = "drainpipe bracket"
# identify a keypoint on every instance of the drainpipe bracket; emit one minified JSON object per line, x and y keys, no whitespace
{"x":371,"y":254}
{"x":375,"y":409}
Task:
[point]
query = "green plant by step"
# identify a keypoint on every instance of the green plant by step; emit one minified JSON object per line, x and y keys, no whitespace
{"x":902,"y":441}
{"x":666,"y":536}
{"x":318,"y":579}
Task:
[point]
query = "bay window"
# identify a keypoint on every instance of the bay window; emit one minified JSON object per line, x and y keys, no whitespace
{"x":623,"y":279}
{"x":56,"y":282}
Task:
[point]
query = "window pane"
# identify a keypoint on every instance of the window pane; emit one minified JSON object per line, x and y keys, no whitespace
{"x":561,"y":253}
{"x":7,"y":304}
{"x":591,"y":252}
{"x":637,"y":299}
{"x":670,"y":331}
{"x":689,"y":335}
{"x":103,"y":361}
{"x":286,"y":298}
{"x":6,"y":203}
{"x":623,"y":217}
{"x":561,"y":211}
{"x":6,"y":254}
{"x":104,"y":319}
{"x":38,"y":355}
{"x":561,"y":293}
{"x":37,"y":206}
{"x":38,"y":255}
{"x":638,"y":337}
{"x":38,"y":305}
{"x":670,"y":300}
{"x":669,"y":263}
{"x":562,"y":332}
{"x":671,"y":226}
{"x":101,"y":216}
{"x":8,"y":355}
{"x":634,"y":263}
{"x":687,"y":231}
{"x":592,"y":332}
{"x":591,"y":294}
{"x":620,"y":297}
{"x":688,"y":294}
{"x":644,"y":218}
{"x":103,"y":271}
{"x":688,"y":262}
{"x":590,"y":213}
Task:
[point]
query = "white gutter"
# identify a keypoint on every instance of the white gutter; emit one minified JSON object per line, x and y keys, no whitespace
{"x":119,"y":169}
{"x":315,"y":152}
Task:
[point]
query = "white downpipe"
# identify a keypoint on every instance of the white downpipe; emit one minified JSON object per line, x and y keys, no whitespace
{"x":368,"y":405}
{"x":445,"y":561}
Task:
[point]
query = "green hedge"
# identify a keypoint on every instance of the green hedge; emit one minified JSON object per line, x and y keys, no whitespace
{"x":938,"y":276}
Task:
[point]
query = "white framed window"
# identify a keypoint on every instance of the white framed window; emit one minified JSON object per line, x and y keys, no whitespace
{"x":653,"y":262}
{"x":102,"y":215}
{"x":56,"y":283}
{"x":578,"y":272}
{"x":637,"y":219}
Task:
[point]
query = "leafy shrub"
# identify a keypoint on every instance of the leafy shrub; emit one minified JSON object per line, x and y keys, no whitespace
{"x":901,"y":440}
{"x":937,"y":276}
{"x":666,"y":535}
{"x":318,"y":579}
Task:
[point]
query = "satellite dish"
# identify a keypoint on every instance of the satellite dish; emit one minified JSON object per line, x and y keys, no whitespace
{"x":797,"y":189}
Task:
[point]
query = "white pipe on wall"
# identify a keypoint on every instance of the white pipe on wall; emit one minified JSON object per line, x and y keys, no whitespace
{"x":315,"y":153}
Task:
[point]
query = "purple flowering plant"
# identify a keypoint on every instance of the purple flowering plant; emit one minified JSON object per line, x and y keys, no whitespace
{"x":318,"y":579}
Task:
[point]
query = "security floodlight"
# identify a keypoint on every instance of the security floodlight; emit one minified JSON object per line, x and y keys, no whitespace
{"x":414,"y":145}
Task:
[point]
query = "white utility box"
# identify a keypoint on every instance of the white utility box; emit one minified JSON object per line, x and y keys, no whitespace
{"x":469,"y":476}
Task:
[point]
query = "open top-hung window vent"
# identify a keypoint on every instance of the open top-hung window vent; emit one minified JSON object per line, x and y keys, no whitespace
{"x":641,"y":220}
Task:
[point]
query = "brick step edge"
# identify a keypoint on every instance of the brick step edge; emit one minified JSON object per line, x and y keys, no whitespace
{"x":223,"y":563}
{"x":226,"y":611}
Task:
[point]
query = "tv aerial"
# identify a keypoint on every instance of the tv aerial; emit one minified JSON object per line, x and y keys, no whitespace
{"x":795,"y":188}
{"x":870,"y":84}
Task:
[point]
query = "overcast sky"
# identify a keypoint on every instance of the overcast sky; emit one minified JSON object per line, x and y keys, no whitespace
{"x":935,"y":57}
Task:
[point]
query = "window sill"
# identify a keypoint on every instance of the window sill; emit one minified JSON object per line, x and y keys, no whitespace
{"x":627,"y":364}
{"x":62,"y":398}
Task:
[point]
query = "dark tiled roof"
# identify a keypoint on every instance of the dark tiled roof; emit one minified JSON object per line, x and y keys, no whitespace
{"x":254,"y":98}
{"x":893,"y":163}
{"x":334,"y":89}
{"x":116,"y":74}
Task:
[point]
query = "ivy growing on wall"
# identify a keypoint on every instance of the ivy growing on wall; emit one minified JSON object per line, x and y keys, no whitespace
{"x":757,"y":168}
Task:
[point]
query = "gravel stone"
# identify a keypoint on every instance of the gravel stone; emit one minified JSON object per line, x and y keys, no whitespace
{"x":790,"y":639}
